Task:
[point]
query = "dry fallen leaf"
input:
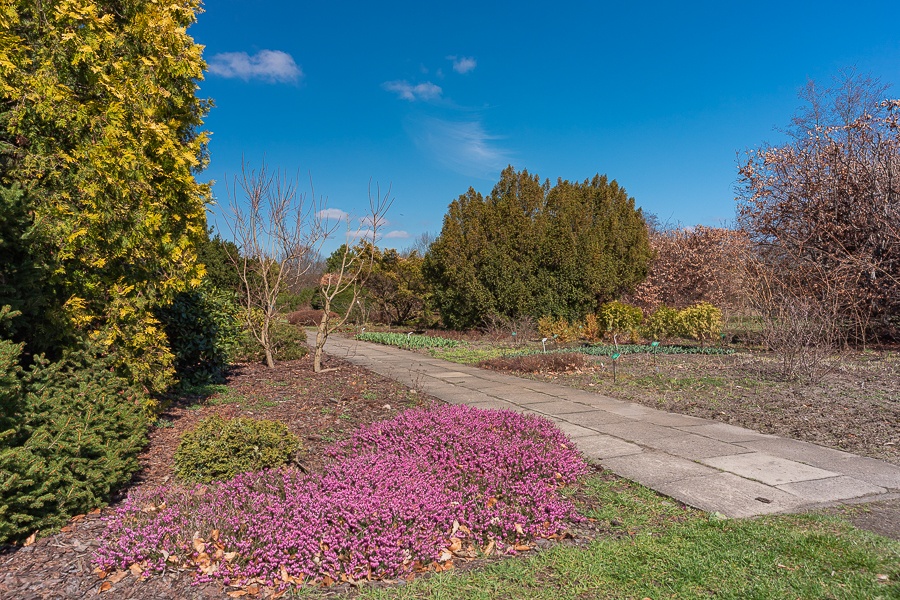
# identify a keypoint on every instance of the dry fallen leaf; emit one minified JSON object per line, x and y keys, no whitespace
{"x":100,"y":573}
{"x":104,"y":587}
{"x":136,"y":569}
{"x":96,"y":511}
{"x":199,"y":544}
{"x":489,"y":548}
{"x":30,"y":540}
{"x":519,"y":529}
{"x":522,"y":547}
{"x":237,"y":593}
{"x":214,"y":535}
{"x":117,"y":576}
{"x":455,"y":544}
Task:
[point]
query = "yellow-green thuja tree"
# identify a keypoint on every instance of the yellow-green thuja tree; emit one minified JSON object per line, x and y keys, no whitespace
{"x":102,"y":132}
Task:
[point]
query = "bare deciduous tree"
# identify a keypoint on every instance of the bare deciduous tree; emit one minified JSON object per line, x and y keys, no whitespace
{"x":352,"y":269}
{"x":278,"y":232}
{"x":828,"y":201}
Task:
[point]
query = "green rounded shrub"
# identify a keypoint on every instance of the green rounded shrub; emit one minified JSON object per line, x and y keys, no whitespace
{"x":619,"y":318}
{"x":702,"y":322}
{"x":220,"y":448}
{"x":663,"y":324}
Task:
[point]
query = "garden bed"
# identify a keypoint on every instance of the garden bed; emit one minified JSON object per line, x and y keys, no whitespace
{"x":327,"y":407}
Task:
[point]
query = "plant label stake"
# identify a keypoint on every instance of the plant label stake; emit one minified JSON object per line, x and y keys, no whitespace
{"x":544,"y":344}
{"x":615,"y":357}
{"x":653,"y":347}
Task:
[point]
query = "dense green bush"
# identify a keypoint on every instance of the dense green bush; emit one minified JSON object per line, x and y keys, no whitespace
{"x":663,"y":324}
{"x":219,"y":449}
{"x":76,"y":436}
{"x":204,"y":331}
{"x":702,"y":322}
{"x":532,"y":249}
{"x":289,"y":343}
{"x":618,"y":318}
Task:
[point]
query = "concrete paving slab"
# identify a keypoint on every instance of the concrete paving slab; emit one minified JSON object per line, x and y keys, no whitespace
{"x":493,"y":405}
{"x":694,"y":447}
{"x":596,"y":417}
{"x":654,"y":468}
{"x":572,"y":430}
{"x":450,"y":375}
{"x":561,"y":407}
{"x":832,"y":489}
{"x":604,"y":447}
{"x":629,"y":409}
{"x":875,"y":472}
{"x":672,"y":419}
{"x":766,"y":468}
{"x":804,"y":452}
{"x":523,"y":397}
{"x":724,"y":432}
{"x":637,"y":431}
{"x":730,"y":495}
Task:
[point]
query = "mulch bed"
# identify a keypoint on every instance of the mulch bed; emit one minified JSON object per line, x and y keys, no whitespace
{"x":320,"y":408}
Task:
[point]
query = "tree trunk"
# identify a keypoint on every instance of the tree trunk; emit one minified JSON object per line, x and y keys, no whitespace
{"x":321,"y":338}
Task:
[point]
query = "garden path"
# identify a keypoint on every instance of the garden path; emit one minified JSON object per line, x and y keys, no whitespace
{"x":709,"y":465}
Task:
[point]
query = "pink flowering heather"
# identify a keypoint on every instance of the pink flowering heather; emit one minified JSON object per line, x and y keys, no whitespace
{"x":388,"y":502}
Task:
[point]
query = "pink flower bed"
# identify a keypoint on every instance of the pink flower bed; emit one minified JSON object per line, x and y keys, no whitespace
{"x":391,"y":500}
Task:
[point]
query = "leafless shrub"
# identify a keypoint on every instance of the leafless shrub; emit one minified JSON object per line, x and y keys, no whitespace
{"x":500,"y":328}
{"x":802,"y":329}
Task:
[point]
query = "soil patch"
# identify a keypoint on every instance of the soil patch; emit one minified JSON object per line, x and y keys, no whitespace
{"x":855,"y":407}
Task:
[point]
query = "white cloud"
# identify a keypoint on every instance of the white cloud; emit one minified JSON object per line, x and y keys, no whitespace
{"x":273,"y":66}
{"x":332,"y":213}
{"x":367,"y":221}
{"x":397,"y":235}
{"x":463,"y":146}
{"x":463,"y":64}
{"x":365,"y":233}
{"x":408,"y":91}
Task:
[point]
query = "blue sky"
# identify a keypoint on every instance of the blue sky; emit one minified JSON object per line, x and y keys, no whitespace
{"x":428,"y":99}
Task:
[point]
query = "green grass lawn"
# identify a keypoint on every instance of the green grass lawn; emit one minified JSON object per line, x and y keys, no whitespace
{"x":651,"y":547}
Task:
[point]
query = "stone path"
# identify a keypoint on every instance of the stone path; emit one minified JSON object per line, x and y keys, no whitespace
{"x":709,"y":465}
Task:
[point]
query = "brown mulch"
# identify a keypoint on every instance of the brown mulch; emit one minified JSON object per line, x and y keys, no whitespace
{"x":320,"y":408}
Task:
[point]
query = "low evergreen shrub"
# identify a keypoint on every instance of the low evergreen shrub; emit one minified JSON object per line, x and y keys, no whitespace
{"x":618,"y":319}
{"x":203,"y":326}
{"x":702,"y":322}
{"x":663,"y":324}
{"x":219,"y":449}
{"x":75,"y":438}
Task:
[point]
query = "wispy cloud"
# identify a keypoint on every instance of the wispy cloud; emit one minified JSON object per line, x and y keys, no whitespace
{"x":408,"y":91}
{"x":273,"y":66}
{"x":332,"y":213}
{"x":463,"y":64}
{"x":397,"y":235}
{"x":463,"y":146}
{"x":367,"y":221}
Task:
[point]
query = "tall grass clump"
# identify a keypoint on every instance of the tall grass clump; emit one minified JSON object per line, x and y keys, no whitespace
{"x":398,"y":496}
